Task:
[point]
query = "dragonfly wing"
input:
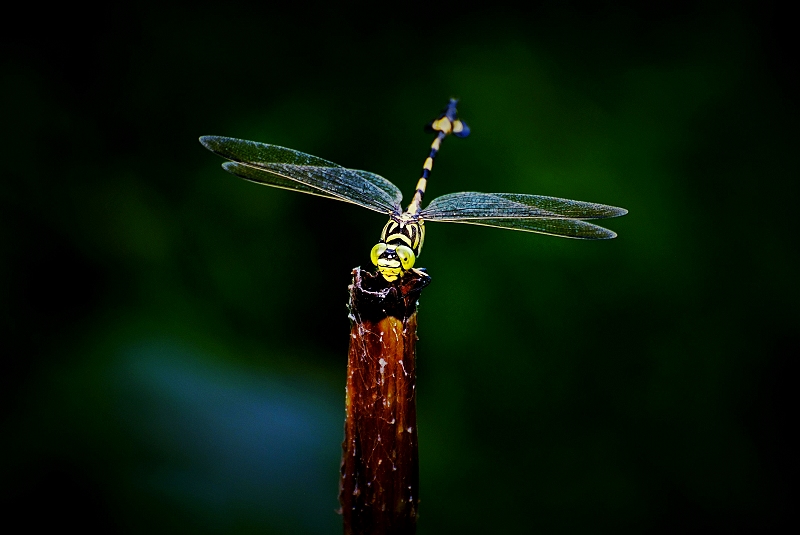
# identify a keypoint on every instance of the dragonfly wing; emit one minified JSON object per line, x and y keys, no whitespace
{"x":474,"y":205}
{"x":259,"y":176}
{"x":290,"y":169}
{"x":567,"y":228}
{"x":393,"y":194}
{"x":530,"y":213}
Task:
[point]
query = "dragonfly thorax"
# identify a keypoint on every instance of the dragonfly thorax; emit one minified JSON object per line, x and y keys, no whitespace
{"x":401,"y":243}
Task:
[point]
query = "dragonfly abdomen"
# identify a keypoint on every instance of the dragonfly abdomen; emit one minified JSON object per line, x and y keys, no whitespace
{"x":447,"y":123}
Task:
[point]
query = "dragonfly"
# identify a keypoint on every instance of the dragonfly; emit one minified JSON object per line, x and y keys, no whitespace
{"x":403,"y":235}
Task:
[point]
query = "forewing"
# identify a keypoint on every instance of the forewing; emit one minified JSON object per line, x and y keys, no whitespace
{"x":290,"y":169}
{"x":567,"y":228}
{"x":529,"y":213}
{"x":259,"y":176}
{"x":474,"y":205}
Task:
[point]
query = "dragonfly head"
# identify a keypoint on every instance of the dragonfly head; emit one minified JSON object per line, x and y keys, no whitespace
{"x":401,"y":243}
{"x":392,"y":260}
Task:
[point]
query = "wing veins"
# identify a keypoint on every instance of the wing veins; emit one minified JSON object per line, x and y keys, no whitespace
{"x":470,"y":205}
{"x":297,"y":171}
{"x":263,"y":178}
{"x":379,"y":205}
{"x":578,"y":229}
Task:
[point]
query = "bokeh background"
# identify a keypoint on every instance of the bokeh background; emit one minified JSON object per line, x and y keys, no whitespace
{"x":174,"y":339}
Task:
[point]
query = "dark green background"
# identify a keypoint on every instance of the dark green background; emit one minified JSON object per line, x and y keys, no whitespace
{"x":174,"y":339}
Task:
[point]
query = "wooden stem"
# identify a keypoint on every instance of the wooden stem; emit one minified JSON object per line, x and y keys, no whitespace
{"x":379,"y":486}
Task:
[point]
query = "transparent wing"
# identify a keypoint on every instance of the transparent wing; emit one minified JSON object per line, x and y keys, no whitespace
{"x":289,"y":169}
{"x":474,"y":205}
{"x":530,"y":213}
{"x":259,"y":176}
{"x":567,"y":228}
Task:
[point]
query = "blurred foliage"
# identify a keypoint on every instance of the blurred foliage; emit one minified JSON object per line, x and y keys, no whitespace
{"x":175,"y":339}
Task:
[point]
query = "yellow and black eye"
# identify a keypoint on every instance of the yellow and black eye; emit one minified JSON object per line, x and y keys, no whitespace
{"x":407,"y":256}
{"x":376,"y":252}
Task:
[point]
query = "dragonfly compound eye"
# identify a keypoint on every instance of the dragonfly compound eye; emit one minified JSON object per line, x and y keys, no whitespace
{"x":407,"y":256}
{"x":376,"y":252}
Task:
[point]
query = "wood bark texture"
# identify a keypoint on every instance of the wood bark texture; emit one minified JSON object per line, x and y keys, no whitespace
{"x":379,"y":486}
